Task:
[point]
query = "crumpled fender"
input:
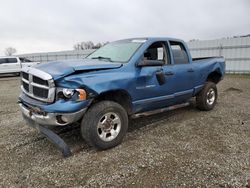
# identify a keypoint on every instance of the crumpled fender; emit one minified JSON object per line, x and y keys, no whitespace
{"x":97,"y":83}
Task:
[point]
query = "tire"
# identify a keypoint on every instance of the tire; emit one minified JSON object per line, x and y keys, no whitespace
{"x":104,"y":125}
{"x":207,"y":98}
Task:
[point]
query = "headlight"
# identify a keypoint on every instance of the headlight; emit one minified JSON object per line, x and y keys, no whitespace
{"x":68,"y":93}
{"x":82,"y":95}
{"x":74,"y":94}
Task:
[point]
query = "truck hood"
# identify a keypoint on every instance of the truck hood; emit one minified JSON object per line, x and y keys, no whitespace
{"x":59,"y":69}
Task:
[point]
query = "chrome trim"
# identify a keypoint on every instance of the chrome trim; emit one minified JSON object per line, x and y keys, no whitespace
{"x":38,"y":85}
{"x":37,"y":72}
{"x":50,"y":118}
{"x":109,"y":126}
{"x":30,"y":86}
{"x":31,"y":71}
{"x":24,"y":80}
{"x":51,"y":91}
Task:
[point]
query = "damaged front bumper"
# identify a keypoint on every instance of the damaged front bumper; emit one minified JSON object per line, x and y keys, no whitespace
{"x":41,"y":121}
{"x":59,"y":113}
{"x":44,"y":117}
{"x":49,"y":119}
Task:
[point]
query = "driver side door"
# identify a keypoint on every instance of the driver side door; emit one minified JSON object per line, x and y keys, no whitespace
{"x":153,"y":90}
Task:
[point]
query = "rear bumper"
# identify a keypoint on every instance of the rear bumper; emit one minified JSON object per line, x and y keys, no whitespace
{"x":50,"y":119}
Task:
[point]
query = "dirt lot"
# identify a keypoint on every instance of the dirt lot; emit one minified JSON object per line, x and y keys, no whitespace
{"x":181,"y":148}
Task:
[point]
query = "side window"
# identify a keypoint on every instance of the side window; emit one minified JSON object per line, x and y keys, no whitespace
{"x":12,"y":60}
{"x":3,"y":60}
{"x":24,"y":60}
{"x":179,"y":53}
{"x":156,"y":51}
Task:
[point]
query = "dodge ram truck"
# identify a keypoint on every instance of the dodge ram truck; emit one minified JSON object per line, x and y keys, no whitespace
{"x":121,"y":80}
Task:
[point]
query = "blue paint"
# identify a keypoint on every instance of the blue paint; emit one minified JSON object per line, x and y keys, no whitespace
{"x":140,"y":83}
{"x":63,"y":106}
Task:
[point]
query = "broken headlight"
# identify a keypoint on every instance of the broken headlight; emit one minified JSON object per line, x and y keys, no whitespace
{"x":68,"y":93}
{"x":72,"y":94}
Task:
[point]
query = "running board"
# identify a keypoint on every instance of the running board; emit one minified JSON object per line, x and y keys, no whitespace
{"x":148,"y":113}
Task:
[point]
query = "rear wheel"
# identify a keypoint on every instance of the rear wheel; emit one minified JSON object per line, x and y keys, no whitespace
{"x":104,"y":125}
{"x":207,"y":98}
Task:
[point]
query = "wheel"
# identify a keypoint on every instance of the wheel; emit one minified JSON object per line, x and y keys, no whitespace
{"x":207,"y":98}
{"x":104,"y":125}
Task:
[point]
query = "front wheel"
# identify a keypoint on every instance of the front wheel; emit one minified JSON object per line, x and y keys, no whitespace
{"x":207,"y":98}
{"x":104,"y":125}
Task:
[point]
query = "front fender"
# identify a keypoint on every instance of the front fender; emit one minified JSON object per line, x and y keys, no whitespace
{"x":96,"y":84}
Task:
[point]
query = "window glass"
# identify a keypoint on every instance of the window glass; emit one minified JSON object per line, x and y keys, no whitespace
{"x":179,"y":53}
{"x":120,"y":51}
{"x":3,"y":60}
{"x":155,"y":52}
{"x":12,"y":60}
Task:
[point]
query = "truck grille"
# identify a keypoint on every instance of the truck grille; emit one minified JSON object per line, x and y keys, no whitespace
{"x":38,"y":85}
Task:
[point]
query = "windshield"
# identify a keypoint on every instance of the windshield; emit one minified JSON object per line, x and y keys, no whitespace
{"x":120,"y":51}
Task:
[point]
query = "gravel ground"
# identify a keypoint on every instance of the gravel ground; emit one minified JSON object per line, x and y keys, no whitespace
{"x":181,"y":148}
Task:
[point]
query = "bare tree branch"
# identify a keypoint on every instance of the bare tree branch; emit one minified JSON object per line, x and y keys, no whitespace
{"x":10,"y":51}
{"x":88,"y":45}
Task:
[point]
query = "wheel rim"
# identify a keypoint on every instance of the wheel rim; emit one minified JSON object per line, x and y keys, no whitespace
{"x":211,"y":96}
{"x":109,"y":126}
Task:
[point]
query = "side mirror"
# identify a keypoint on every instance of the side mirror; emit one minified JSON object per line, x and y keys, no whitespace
{"x":144,"y":63}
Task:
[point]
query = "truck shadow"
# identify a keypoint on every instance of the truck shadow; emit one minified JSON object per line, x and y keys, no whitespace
{"x":72,"y":135}
{"x":136,"y":123}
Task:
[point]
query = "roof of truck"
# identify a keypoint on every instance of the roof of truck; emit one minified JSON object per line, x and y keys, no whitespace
{"x":152,"y":39}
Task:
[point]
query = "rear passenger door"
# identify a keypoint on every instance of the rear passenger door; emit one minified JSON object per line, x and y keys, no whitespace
{"x":183,"y":71}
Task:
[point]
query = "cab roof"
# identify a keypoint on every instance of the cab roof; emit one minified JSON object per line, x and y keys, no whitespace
{"x":152,"y":39}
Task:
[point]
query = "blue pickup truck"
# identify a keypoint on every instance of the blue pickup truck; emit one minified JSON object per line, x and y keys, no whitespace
{"x":123,"y":79}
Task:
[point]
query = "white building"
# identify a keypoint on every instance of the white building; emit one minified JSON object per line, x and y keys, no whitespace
{"x":236,"y":51}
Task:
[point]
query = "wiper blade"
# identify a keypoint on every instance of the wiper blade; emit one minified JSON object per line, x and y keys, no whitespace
{"x":100,"y":57}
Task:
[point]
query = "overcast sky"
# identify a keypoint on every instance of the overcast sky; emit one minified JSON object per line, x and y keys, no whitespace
{"x":54,"y":25}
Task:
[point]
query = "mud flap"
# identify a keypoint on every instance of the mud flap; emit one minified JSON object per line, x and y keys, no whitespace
{"x":56,"y":140}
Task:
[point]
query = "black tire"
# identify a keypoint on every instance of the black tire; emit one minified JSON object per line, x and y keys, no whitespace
{"x":90,"y":130}
{"x":204,"y":98}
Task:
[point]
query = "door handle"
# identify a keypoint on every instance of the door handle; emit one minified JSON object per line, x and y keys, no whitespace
{"x":169,"y":73}
{"x":190,"y":70}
